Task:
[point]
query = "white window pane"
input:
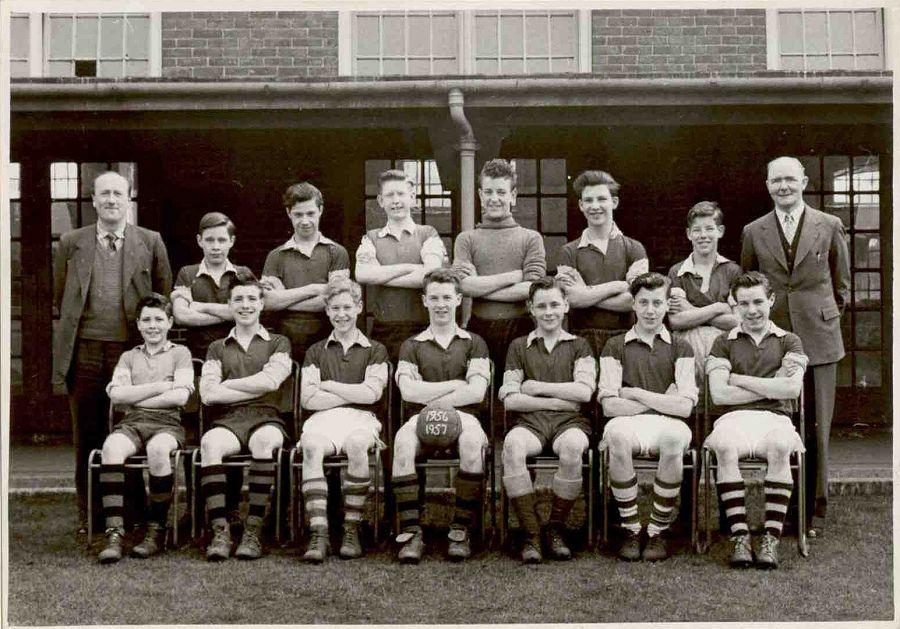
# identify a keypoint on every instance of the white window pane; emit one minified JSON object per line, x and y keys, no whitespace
{"x":792,"y":63}
{"x":485,"y":35}
{"x":393,"y":35}
{"x":411,"y":168}
{"x":869,"y":62}
{"x":447,"y":66}
{"x":86,"y":37}
{"x":817,"y":62}
{"x":511,"y":35}
{"x":536,"y":35}
{"x":60,"y":38}
{"x":790,"y":33}
{"x":15,"y":177}
{"x":562,"y":34}
{"x":18,"y":41}
{"x":563,"y":65}
{"x":18,"y":69}
{"x":110,"y":69}
{"x":841,"y":24}
{"x":867,"y":214}
{"x":419,"y":67}
{"x":842,"y":62}
{"x":419,"y":37}
{"x":137,"y":37}
{"x":512,"y":66}
{"x":89,"y":172}
{"x":367,"y":35}
{"x":367,"y":67}
{"x":445,"y":36}
{"x":394,"y":66}
{"x":137,"y":68}
{"x":869,"y":38}
{"x":538,"y":66}
{"x":815,"y":32}
{"x":111,"y":38}
{"x":486,"y":66}
{"x":63,"y":180}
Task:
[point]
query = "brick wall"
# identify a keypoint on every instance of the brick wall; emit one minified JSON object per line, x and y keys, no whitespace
{"x":272,"y":45}
{"x":715,"y":41}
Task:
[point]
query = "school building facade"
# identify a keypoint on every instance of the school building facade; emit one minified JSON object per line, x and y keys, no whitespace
{"x":223,"y":110}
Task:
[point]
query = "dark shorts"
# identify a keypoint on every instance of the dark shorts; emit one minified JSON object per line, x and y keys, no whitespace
{"x":243,"y":421}
{"x":547,"y":431}
{"x":596,"y":337}
{"x":141,"y":425}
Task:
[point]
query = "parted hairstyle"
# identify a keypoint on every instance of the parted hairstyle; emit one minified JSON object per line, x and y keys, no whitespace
{"x":595,"y":178}
{"x":300,"y":192}
{"x":215,"y":219}
{"x":704,"y":209}
{"x":394,"y":174}
{"x":651,"y":281}
{"x":749,"y":280}
{"x":498,"y":168}
{"x":248,"y":281}
{"x":342,"y":285}
{"x":155,"y":300}
{"x":442,"y":275}
{"x":547,"y":282}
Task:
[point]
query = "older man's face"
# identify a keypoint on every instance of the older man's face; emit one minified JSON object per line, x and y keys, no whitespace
{"x":786,"y":183}
{"x":111,"y":199}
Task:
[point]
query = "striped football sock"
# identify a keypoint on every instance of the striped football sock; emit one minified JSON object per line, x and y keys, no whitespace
{"x":732,"y":495}
{"x":112,"y":488}
{"x":664,"y":496}
{"x":626,"y":493}
{"x":212,"y":480}
{"x":315,"y":500}
{"x":778,"y":493}
{"x":356,"y":490}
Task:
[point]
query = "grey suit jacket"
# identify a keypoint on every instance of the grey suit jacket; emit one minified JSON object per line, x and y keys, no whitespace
{"x":145,"y":269}
{"x":810,"y":299}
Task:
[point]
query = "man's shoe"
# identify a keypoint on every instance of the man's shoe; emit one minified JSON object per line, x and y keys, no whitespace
{"x":557,"y":545}
{"x":113,"y":551}
{"x":531,"y":550}
{"x":460,"y":547}
{"x":413,"y":545}
{"x":220,"y":546}
{"x":250,"y":546}
{"x":742,"y":552}
{"x":351,"y":547}
{"x":767,"y":553}
{"x":235,"y":522}
{"x":318,"y":546}
{"x":154,"y":541}
{"x":656,"y":549}
{"x":630,"y":550}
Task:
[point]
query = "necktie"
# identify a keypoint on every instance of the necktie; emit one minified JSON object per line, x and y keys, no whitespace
{"x":789,"y":227}
{"x":111,"y":241}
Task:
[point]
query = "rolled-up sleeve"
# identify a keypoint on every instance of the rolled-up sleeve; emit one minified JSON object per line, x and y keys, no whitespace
{"x":433,"y":251}
{"x":121,"y":374}
{"x":610,"y":381}
{"x":376,"y":378}
{"x":478,"y":366}
{"x":512,"y":383}
{"x":534,"y":266}
{"x":277,"y":368}
{"x":686,"y":378}
{"x":408,"y":369}
{"x":366,"y":254}
{"x":585,"y":372}
{"x":184,"y":370}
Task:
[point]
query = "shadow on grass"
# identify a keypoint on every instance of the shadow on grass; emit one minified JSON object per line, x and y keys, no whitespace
{"x":54,"y":580}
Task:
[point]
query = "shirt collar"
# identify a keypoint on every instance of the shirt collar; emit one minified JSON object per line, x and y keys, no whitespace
{"x":321,"y":239}
{"x":165,"y":348}
{"x":563,"y":336}
{"x":796,"y":212}
{"x":408,"y":226}
{"x":599,"y":244}
{"x":428,"y":334}
{"x":360,"y":340}
{"x":688,"y":265}
{"x":260,"y":332}
{"x":204,"y":270}
{"x":662,"y":333}
{"x":770,"y":329}
{"x":101,"y":233}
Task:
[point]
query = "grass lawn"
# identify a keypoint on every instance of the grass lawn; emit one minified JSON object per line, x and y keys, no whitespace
{"x":54,"y":581}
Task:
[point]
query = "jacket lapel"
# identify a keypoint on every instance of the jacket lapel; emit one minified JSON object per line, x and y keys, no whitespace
{"x":808,"y":234}
{"x":84,"y":258}
{"x":134,"y":252}
{"x":773,"y":242}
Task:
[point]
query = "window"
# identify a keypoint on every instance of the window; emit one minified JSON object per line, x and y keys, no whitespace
{"x":492,"y":42}
{"x":15,"y":254}
{"x":19,"y":41}
{"x":541,"y":202}
{"x":526,"y":42}
{"x":849,"y":188}
{"x":816,"y":39}
{"x":101,"y":45}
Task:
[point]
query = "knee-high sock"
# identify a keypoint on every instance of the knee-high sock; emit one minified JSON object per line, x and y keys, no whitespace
{"x":160,"y":498}
{"x":664,"y":496}
{"x":406,"y":493}
{"x":565,"y":491}
{"x":315,"y":500}
{"x":778,"y":494}
{"x":212,"y":480}
{"x":626,"y":493}
{"x":112,"y":487}
{"x":468,"y":498}
{"x":356,"y":490}
{"x":732,"y":494}
{"x":260,"y":481}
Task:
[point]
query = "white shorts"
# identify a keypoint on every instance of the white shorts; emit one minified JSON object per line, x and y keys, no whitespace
{"x":336,"y":424}
{"x":468,"y":424}
{"x":646,"y":429}
{"x":747,"y":431}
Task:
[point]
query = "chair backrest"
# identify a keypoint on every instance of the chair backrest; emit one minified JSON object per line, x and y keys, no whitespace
{"x":191,"y":407}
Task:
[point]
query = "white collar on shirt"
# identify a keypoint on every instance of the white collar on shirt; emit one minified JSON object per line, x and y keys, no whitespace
{"x":428,"y":334}
{"x":770,"y":329}
{"x":563,"y":336}
{"x":260,"y":332}
{"x":360,"y":340}
{"x":204,"y":270}
{"x":796,"y":212}
{"x":101,"y":234}
{"x":662,"y":333}
{"x":408,"y":226}
{"x":688,"y":265}
{"x":599,"y":244}
{"x":296,"y":246}
{"x":165,"y":348}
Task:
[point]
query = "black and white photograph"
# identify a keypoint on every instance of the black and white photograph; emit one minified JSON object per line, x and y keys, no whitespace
{"x":432,"y":313}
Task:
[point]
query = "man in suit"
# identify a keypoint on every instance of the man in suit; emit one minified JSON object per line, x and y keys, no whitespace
{"x":100,"y":272}
{"x":805,"y":256}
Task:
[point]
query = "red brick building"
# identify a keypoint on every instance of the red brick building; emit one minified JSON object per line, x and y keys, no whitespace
{"x":220,"y":111}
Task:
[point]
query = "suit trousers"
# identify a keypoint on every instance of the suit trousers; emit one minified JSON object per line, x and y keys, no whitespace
{"x":819,"y":386}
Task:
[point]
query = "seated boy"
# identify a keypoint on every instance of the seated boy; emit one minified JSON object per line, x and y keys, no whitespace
{"x":647,"y":386}
{"x":152,"y":381}
{"x":443,"y":367}
{"x":342,"y":379}
{"x":549,"y":375}
{"x":757,"y":369}
{"x":241,"y":378}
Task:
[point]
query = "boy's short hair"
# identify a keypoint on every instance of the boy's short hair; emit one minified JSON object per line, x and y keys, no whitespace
{"x":749,"y":280}
{"x":155,"y":300}
{"x":547,"y":282}
{"x":442,"y":275}
{"x":248,"y":281}
{"x":394,"y":174}
{"x":650,"y":281}
{"x":705,"y":209}
{"x":342,"y":285}
{"x":215,"y":219}
{"x":498,"y":168}
{"x":300,"y":192}
{"x":595,"y":178}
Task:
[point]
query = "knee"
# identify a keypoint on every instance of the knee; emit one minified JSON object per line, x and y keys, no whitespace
{"x":157,"y":451}
{"x":618,"y":440}
{"x":357,"y":447}
{"x":726,"y":453}
{"x":514,"y":452}
{"x":779,"y":448}
{"x":312,"y":449}
{"x":112,"y":453}
{"x":470,"y":450}
{"x":571,"y":452}
{"x":210,"y":448}
{"x":671,"y":444}
{"x":405,"y":448}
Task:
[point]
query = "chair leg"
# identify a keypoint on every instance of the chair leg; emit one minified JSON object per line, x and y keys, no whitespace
{"x":589,"y":499}
{"x":176,"y":464}
{"x":90,"y":496}
{"x":604,"y":488}
{"x":278,"y":488}
{"x":376,"y":499}
{"x":707,"y":481}
{"x":695,"y":490}
{"x":196,"y":512}
{"x":801,"y":505}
